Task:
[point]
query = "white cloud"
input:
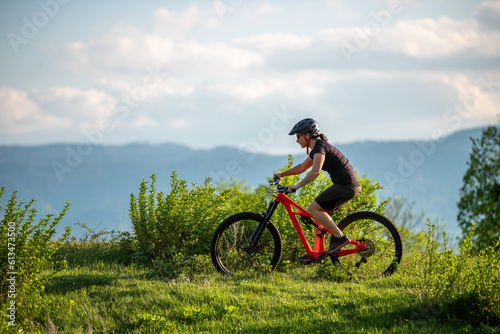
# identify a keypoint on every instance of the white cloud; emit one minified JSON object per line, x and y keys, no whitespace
{"x":165,"y":85}
{"x":267,"y":8}
{"x":179,"y":123}
{"x":144,"y":122}
{"x":101,"y":54}
{"x":488,"y":14}
{"x":123,"y":53}
{"x":418,"y":38}
{"x":337,"y":4}
{"x":302,"y":85}
{"x":340,"y":11}
{"x":214,"y":68}
{"x":173,"y":24}
{"x":85,"y":108}
{"x":268,"y":43}
{"x":477,"y":96}
{"x":20,"y":114}
{"x":427,"y":38}
{"x":128,"y":49}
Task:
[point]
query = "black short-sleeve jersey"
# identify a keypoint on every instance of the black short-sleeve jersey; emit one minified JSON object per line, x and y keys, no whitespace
{"x":336,"y":164}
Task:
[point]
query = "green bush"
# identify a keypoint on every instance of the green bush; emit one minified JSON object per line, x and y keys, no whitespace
{"x":180,"y":222}
{"x":26,"y":250}
{"x":464,"y":285}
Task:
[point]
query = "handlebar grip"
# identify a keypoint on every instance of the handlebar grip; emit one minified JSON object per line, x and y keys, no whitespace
{"x":275,"y":181}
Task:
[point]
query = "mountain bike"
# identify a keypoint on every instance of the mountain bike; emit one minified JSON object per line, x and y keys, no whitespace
{"x":250,"y":242}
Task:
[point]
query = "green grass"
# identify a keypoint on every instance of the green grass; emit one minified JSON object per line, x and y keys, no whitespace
{"x":98,"y":294}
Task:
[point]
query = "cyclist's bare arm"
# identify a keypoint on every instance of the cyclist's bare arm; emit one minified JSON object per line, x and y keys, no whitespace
{"x":298,"y":169}
{"x":319,"y":160}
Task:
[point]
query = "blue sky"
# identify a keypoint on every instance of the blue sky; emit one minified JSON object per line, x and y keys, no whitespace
{"x":241,"y":73}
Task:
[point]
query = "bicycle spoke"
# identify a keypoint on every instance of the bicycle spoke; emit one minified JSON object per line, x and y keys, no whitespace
{"x":234,"y":252}
{"x":384,"y":248}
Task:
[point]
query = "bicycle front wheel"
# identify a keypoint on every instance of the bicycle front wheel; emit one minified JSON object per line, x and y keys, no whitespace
{"x":234,"y":251}
{"x":384,"y":248}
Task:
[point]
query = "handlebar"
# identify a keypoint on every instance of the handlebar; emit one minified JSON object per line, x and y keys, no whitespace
{"x":281,"y":189}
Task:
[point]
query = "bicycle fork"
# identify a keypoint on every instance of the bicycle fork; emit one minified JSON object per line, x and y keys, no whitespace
{"x":257,"y":234}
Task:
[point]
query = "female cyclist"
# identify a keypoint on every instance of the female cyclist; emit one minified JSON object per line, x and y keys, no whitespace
{"x":346,"y":186}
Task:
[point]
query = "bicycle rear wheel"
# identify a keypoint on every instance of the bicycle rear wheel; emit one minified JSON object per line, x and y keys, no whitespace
{"x":384,"y":248}
{"x":231,"y":249}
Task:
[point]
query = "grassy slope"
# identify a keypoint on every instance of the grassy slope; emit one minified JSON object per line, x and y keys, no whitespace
{"x":98,"y":295}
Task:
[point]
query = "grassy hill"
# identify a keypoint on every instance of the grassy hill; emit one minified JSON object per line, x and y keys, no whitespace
{"x":100,"y":293}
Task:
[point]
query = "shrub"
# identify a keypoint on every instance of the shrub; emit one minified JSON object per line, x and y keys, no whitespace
{"x":26,"y":250}
{"x":464,"y":285}
{"x":180,"y":222}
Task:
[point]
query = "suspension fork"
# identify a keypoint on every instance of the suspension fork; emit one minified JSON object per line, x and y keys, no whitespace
{"x":266,"y":217}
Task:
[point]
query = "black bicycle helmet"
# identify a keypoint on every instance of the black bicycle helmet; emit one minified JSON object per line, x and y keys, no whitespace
{"x":307,"y":125}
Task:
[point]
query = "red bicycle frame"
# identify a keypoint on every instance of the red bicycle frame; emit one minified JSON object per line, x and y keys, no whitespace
{"x":290,"y":205}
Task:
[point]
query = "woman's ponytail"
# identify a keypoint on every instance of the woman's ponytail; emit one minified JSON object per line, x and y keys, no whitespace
{"x":320,"y":135}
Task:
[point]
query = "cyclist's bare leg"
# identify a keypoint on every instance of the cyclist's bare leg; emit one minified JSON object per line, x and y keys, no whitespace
{"x":322,"y":217}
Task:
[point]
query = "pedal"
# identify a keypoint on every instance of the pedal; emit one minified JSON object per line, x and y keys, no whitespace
{"x":306,"y":220}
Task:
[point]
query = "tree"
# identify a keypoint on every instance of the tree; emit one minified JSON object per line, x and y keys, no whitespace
{"x":480,"y":194}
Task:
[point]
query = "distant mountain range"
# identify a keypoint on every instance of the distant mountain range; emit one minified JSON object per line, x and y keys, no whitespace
{"x":98,"y":180}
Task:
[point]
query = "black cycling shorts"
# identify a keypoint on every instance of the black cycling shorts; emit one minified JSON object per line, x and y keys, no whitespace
{"x":335,"y":196}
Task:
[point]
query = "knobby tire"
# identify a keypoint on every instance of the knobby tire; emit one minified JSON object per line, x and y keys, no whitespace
{"x":385,"y":250}
{"x":230,"y":241}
